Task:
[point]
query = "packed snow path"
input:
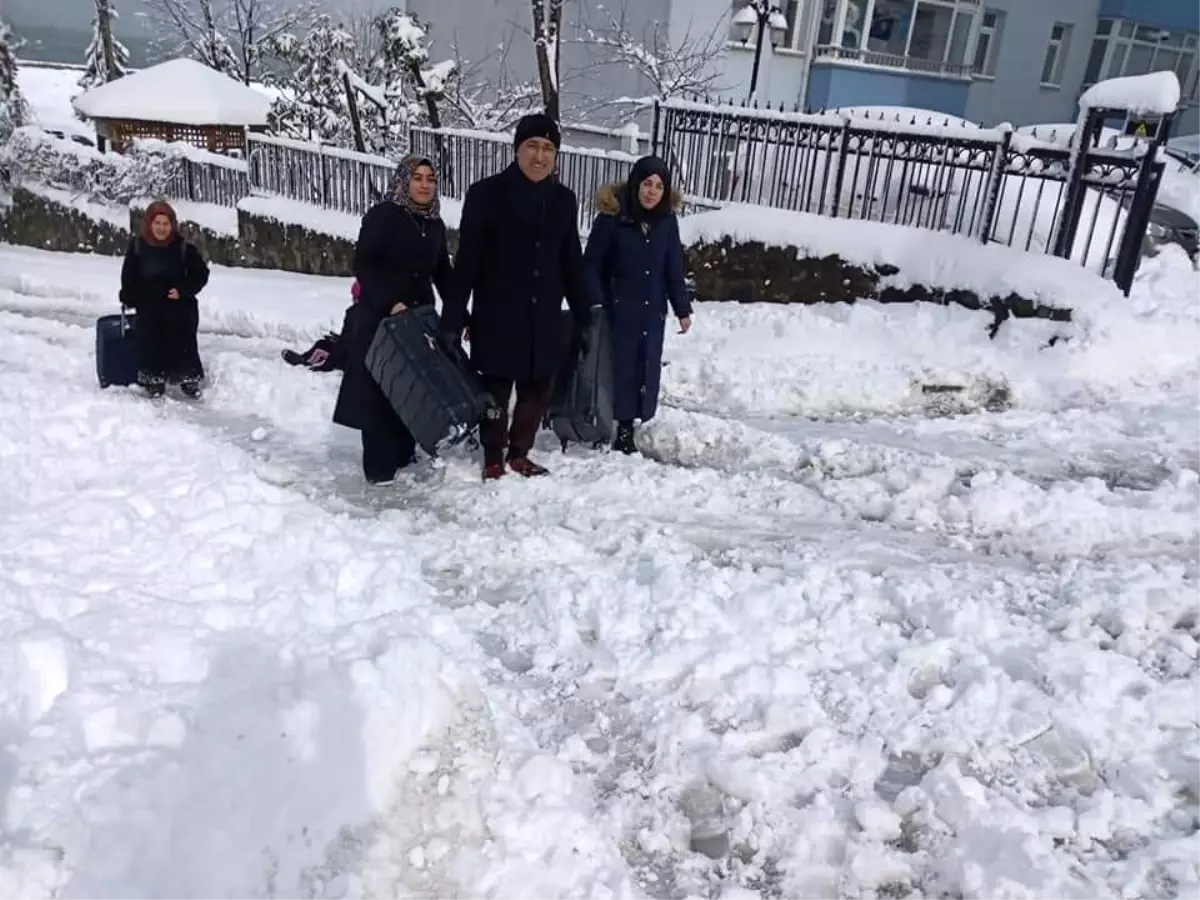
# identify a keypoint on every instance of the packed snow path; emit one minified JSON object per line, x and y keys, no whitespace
{"x":889,"y":657}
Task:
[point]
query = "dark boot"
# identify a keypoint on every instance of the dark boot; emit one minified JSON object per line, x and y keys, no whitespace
{"x":153,"y":385}
{"x":624,"y":440}
{"x":492,"y":471}
{"x":526,"y":467}
{"x":292,"y":358}
{"x":190,"y":389}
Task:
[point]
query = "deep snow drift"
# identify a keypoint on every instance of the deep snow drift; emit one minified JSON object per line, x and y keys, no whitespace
{"x":845,"y":643}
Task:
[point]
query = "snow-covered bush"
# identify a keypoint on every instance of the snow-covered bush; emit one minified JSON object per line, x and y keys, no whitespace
{"x":32,"y":155}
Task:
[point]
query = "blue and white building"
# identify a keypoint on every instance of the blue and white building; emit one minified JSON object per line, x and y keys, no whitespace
{"x":1019,"y":61}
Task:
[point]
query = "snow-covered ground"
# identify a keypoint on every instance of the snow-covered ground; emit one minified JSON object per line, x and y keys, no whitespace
{"x":49,"y":92}
{"x":846,"y":643}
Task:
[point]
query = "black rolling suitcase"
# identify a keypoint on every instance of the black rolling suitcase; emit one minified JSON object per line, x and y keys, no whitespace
{"x":116,"y":350}
{"x":581,"y":410}
{"x":436,"y":396}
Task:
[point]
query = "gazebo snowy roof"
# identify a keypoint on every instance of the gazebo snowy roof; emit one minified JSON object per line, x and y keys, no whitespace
{"x":176,"y":100}
{"x":181,"y":91}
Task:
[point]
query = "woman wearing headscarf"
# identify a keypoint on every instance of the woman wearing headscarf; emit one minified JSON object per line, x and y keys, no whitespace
{"x":400,"y":255}
{"x":161,"y":278}
{"x":634,"y":261}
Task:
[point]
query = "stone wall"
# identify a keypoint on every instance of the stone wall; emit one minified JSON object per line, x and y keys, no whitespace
{"x":33,"y":220}
{"x":747,"y":272}
{"x":751,"y":272}
{"x":270,"y":244}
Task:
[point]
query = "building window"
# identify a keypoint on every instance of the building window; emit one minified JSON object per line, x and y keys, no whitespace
{"x":829,"y":14}
{"x":987,"y":47}
{"x":791,"y":12}
{"x":922,"y":35}
{"x":1125,"y":48}
{"x":1056,"y":54}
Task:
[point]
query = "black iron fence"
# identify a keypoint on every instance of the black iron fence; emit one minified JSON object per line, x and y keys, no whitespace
{"x":986,"y":184}
{"x":1081,"y":202}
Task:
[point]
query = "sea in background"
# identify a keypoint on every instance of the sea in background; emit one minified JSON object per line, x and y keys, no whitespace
{"x":50,"y":43}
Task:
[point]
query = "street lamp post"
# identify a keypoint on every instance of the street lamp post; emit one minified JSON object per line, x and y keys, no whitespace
{"x":769,"y":21}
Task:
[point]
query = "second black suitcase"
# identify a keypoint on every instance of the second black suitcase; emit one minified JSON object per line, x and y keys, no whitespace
{"x":582,"y":407}
{"x":436,"y":396}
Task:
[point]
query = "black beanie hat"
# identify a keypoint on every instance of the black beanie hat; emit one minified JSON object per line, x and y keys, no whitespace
{"x":537,"y":125}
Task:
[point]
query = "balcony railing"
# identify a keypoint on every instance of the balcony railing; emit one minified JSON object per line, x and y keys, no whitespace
{"x":893,"y":61}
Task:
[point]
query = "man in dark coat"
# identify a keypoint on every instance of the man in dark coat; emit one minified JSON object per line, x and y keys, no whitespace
{"x":518,"y":256}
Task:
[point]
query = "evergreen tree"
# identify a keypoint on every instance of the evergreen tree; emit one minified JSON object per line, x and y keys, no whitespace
{"x":12,"y":104}
{"x":107,"y":58}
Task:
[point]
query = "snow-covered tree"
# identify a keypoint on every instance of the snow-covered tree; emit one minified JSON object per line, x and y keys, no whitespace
{"x":314,"y":104}
{"x":402,"y":67}
{"x":107,"y":58}
{"x":231,"y":36}
{"x":12,"y":104}
{"x":547,"y":38}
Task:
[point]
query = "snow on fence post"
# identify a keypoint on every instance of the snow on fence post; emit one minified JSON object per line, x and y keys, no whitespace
{"x":1068,"y":220}
{"x":1129,"y":253}
{"x":995,"y":183}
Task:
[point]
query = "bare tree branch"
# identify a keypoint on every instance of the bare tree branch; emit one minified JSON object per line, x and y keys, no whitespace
{"x":489,"y":103}
{"x":231,"y":36}
{"x":671,"y":67}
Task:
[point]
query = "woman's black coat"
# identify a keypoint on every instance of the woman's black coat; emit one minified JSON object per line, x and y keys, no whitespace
{"x":399,"y":258}
{"x":166,"y":328}
{"x":518,"y":256}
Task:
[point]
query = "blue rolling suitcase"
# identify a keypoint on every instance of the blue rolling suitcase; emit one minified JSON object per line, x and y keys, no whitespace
{"x":436,"y":396}
{"x":116,"y":350}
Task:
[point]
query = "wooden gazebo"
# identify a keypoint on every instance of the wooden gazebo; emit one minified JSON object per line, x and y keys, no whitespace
{"x":179,"y":100}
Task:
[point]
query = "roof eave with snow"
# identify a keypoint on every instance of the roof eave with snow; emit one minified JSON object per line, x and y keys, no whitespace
{"x":177,"y":92}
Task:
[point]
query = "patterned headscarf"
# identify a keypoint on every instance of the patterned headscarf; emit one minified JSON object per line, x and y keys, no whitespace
{"x":397,"y":191}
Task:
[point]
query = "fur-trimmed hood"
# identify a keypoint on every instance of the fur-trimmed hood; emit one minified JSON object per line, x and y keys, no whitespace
{"x":608,"y":198}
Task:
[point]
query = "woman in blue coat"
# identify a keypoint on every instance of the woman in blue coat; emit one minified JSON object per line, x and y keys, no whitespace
{"x":634,"y":260}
